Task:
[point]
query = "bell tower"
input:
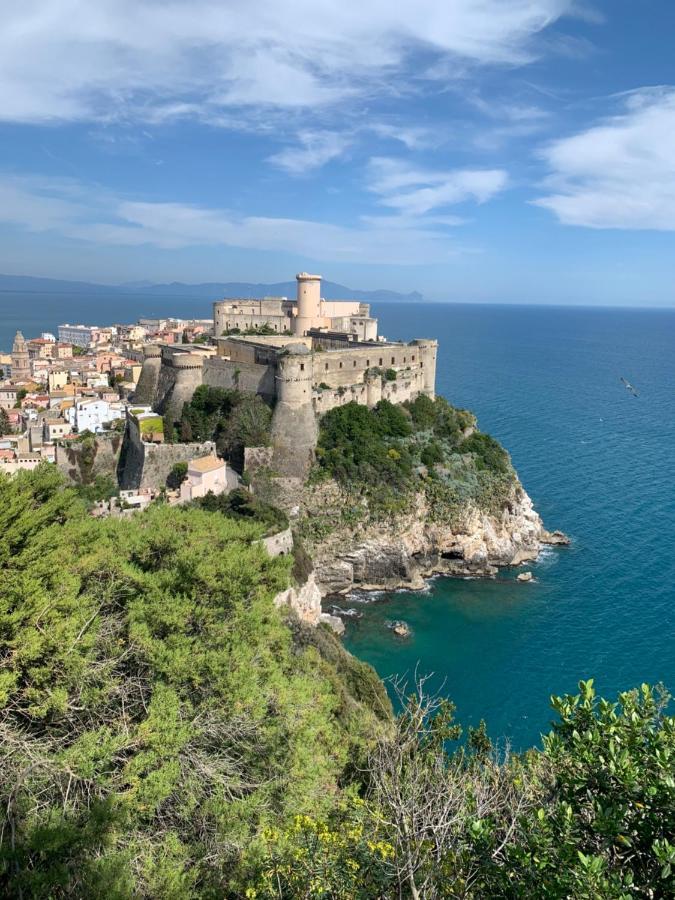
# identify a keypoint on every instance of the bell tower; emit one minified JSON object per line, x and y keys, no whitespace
{"x":20,"y":359}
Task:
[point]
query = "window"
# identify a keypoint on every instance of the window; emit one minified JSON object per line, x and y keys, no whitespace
{"x":354,"y":363}
{"x":367,"y":363}
{"x":412,"y":358}
{"x":404,"y":359}
{"x":302,"y":367}
{"x":326,"y":367}
{"x":393,"y":360}
{"x":340,"y":365}
{"x":381,"y":360}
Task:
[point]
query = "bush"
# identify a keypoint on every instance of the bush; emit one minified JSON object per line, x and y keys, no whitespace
{"x":488,"y":453}
{"x":177,"y":475}
{"x":431,"y":454}
{"x":240,"y":504}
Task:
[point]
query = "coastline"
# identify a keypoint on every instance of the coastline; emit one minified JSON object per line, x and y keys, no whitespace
{"x":406,"y":552}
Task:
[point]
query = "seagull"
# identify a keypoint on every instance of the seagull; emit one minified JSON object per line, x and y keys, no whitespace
{"x":629,"y":387}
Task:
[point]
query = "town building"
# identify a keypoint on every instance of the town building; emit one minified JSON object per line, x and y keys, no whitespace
{"x":53,"y":429}
{"x":207,"y":474}
{"x":8,"y":395}
{"x":90,"y":414}
{"x":79,"y":335}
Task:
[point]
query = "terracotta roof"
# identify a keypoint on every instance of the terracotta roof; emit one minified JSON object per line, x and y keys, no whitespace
{"x":205,"y":464}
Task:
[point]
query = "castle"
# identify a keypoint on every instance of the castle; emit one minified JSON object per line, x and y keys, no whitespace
{"x":304,"y":358}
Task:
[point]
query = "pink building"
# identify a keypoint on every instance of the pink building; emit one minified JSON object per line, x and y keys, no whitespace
{"x":207,"y":473}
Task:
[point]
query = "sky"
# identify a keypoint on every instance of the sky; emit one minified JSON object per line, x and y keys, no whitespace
{"x":473,"y":150}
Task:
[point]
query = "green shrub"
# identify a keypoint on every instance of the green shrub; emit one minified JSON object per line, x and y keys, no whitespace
{"x":488,"y":453}
{"x":240,"y":504}
{"x":177,"y":475}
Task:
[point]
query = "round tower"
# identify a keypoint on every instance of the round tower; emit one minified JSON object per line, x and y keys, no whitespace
{"x":146,"y":389}
{"x":20,"y":359}
{"x":428,"y":350}
{"x":294,"y":375}
{"x":308,"y":302}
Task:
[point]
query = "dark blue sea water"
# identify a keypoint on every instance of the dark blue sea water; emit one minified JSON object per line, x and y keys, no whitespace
{"x":599,"y":464}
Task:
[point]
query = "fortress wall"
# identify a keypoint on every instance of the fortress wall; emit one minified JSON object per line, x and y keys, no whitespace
{"x":368,"y":394}
{"x":245,"y":314}
{"x":248,"y":377}
{"x":345,"y":368}
{"x":143,"y":465}
{"x":81,"y":465}
{"x":279,"y":544}
{"x":159,"y":459}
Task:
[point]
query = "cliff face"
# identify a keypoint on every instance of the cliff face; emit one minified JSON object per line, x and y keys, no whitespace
{"x":412,"y":547}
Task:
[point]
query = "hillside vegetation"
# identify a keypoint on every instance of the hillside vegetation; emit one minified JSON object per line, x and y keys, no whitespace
{"x":156,"y":709}
{"x":388,"y":453}
{"x":165,"y":732}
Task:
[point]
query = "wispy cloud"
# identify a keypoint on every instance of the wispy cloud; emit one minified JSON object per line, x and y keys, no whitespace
{"x":70,"y":60}
{"x":314,"y":149}
{"x":416,"y":191}
{"x":85,"y":213}
{"x":621,"y":172}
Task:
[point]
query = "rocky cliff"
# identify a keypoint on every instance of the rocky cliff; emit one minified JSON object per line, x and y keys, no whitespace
{"x":409,"y":548}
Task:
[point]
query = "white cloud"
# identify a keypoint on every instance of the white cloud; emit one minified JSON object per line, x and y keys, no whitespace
{"x":415,"y":192}
{"x":621,"y":172}
{"x":145,"y":59}
{"x":85,"y":213}
{"x":316,"y":148}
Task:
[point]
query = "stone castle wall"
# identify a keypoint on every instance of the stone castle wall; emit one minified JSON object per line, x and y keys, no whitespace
{"x":145,"y":465}
{"x":82,"y":463}
{"x":250,"y":378}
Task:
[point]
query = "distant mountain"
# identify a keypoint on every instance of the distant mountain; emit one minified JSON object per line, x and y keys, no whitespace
{"x":215,"y":289}
{"x":30,"y":284}
{"x":206,"y":291}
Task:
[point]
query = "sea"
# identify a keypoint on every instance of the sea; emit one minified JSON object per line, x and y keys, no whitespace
{"x":598,"y":462}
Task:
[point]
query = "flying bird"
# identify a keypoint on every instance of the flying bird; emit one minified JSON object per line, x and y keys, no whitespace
{"x":629,"y":387}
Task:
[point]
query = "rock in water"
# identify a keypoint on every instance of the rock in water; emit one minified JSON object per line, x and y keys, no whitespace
{"x":525,"y":576}
{"x":401,"y":629}
{"x":556,"y":538}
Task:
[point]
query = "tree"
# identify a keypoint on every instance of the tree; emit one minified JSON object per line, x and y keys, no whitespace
{"x":5,"y":427}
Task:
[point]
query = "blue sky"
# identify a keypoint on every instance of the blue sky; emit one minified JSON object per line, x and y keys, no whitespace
{"x":492,"y":150}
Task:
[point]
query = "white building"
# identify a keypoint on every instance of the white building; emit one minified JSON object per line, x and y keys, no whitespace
{"x":80,"y":335}
{"x":90,"y":415}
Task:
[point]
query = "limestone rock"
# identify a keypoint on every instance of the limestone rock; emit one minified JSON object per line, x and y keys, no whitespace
{"x":413,"y":547}
{"x":335,"y":622}
{"x":305,"y":601}
{"x":556,"y":538}
{"x":526,"y":576}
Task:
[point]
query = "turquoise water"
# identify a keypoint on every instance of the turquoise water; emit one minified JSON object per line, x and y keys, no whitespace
{"x":598,"y":463}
